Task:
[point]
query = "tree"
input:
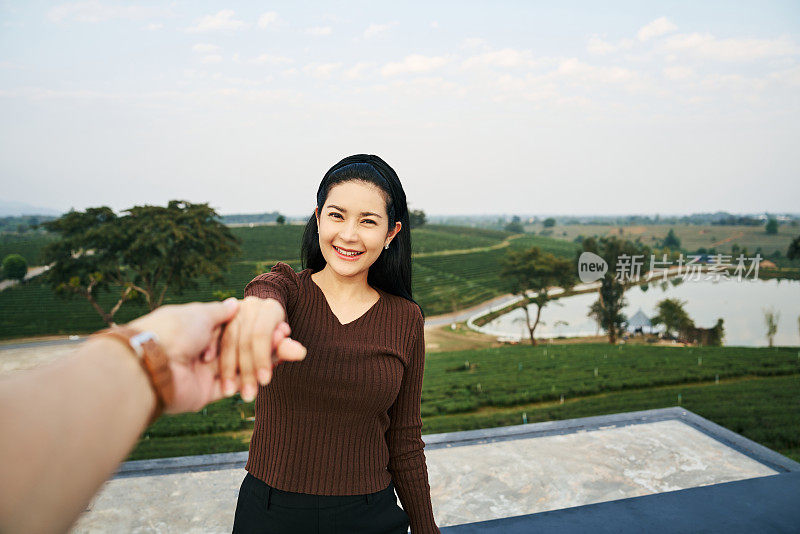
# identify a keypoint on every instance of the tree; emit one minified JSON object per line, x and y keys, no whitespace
{"x":85,"y":260}
{"x":794,"y":249}
{"x":611,"y":292}
{"x":173,"y":246}
{"x":596,"y":313}
{"x":609,"y":307}
{"x":549,"y":222}
{"x":772,"y":226}
{"x":144,"y":253}
{"x":534,"y":270}
{"x":671,"y":241}
{"x":416,"y":218}
{"x":515,"y":227}
{"x":672,"y":315}
{"x":771,"y":319}
{"x":15,"y":267}
{"x":281,"y":219}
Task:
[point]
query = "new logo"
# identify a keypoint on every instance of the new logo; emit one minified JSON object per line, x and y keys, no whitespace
{"x":591,"y":267}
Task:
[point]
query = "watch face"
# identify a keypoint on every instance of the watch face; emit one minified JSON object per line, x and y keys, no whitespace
{"x":140,"y":339}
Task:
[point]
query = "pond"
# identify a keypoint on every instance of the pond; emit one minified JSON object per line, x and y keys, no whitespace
{"x":740,"y":304}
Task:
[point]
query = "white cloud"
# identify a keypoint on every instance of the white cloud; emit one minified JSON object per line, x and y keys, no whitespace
{"x":600,"y":47}
{"x":357,"y":71}
{"x":233,"y":80}
{"x":319,"y":31}
{"x":204,"y":48}
{"x":212,"y":58}
{"x":576,"y":70}
{"x":427,"y":87}
{"x":530,"y":88}
{"x":374,"y":30}
{"x":270,"y":59}
{"x":660,"y":26}
{"x":678,"y":72}
{"x":93,"y":11}
{"x":153,"y":26}
{"x":321,"y":70}
{"x":473,"y":43}
{"x":735,"y":84}
{"x":415,"y":63}
{"x":706,"y":46}
{"x":270,"y":18}
{"x":790,"y":76}
{"x":506,"y":58}
{"x":223,"y":20}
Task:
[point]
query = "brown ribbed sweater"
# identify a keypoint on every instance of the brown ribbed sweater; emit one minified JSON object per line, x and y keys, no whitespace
{"x":346,"y":419}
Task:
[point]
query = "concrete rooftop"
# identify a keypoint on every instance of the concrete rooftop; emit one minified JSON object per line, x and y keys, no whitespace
{"x":485,"y":475}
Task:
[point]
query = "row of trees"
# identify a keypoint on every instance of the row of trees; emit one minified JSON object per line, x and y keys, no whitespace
{"x":535,"y":271}
{"x":140,"y":254}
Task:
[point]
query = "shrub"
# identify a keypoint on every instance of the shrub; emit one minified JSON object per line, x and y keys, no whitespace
{"x":15,"y":267}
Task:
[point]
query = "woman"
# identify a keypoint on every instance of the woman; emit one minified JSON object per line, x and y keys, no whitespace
{"x":336,"y":434}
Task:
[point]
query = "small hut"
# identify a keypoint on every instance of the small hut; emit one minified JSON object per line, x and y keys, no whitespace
{"x":639,"y":322}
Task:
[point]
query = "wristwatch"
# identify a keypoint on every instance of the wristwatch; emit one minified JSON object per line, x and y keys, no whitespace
{"x":152,"y":358}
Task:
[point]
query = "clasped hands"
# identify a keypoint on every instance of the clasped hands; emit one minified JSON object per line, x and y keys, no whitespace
{"x":219,"y":348}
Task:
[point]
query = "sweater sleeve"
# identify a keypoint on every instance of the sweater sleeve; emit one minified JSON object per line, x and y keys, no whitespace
{"x":404,"y":439}
{"x":281,"y":284}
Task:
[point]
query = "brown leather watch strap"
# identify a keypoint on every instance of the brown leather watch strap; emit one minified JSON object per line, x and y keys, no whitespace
{"x":152,"y":358}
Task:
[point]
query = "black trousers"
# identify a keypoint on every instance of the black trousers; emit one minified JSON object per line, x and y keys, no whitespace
{"x":262,"y":509}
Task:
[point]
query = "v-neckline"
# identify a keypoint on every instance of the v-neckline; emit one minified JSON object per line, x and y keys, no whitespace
{"x":330,"y":310}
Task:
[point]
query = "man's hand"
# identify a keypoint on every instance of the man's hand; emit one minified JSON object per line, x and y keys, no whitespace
{"x":190,"y":335}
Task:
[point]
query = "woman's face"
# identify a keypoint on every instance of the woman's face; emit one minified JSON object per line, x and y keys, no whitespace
{"x":353,"y":219}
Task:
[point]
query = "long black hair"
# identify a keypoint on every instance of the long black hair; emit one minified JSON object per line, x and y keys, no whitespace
{"x":391,"y":272}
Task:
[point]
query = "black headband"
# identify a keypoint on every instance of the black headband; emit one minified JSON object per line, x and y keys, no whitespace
{"x":384,"y":170}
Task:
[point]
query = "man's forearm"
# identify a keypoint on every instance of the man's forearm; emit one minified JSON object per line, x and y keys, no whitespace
{"x":74,"y":422}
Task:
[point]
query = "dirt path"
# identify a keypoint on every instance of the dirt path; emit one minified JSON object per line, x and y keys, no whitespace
{"x":502,"y":244}
{"x":728,"y":239}
{"x":32,"y":272}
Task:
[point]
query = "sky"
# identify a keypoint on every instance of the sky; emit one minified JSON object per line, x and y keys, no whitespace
{"x":481,"y":107}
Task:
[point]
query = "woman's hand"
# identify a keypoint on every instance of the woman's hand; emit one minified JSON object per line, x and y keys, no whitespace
{"x":245,"y":346}
{"x":189,"y":334}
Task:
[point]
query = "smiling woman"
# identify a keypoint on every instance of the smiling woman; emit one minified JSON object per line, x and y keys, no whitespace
{"x":337,"y":434}
{"x":350,"y":244}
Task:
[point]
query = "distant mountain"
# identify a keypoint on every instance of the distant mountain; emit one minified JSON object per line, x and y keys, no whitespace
{"x":15,"y":209}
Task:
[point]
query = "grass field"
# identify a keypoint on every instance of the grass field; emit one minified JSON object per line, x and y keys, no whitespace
{"x":453,"y":268}
{"x":28,"y":245}
{"x":692,"y":237}
{"x":758,"y":393}
{"x":440,"y":277}
{"x":752,"y":391}
{"x":282,"y":242}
